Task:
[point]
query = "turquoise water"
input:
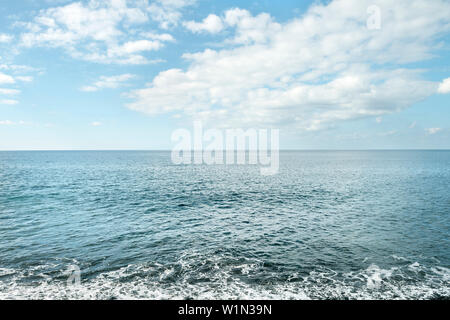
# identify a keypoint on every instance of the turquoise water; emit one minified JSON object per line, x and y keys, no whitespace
{"x":330,"y":225}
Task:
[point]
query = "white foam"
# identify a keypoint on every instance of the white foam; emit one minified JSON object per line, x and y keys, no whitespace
{"x":229,"y":281}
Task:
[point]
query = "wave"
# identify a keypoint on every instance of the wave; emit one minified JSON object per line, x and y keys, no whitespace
{"x":213,"y":279}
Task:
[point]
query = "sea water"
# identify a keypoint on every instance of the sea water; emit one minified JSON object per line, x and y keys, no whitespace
{"x":132,"y":225}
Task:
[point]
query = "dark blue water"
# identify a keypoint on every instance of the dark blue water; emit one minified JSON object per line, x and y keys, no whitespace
{"x":345,"y":225}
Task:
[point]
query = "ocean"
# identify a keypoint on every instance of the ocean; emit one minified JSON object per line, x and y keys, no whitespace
{"x":131,"y":225}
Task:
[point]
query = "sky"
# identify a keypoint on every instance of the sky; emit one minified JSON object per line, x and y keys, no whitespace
{"x":117,"y":74}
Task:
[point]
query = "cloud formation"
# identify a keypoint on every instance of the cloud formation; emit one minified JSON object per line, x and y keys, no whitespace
{"x":8,"y":102}
{"x":15,"y":74}
{"x":5,"y":38}
{"x":12,"y":123}
{"x":168,"y":12}
{"x":310,"y":73}
{"x":6,"y":79}
{"x":211,"y":24}
{"x":111,"y":82}
{"x":432,"y":131}
{"x":104,"y":31}
{"x":248,"y":28}
{"x":444,"y":87}
{"x":9,"y":91}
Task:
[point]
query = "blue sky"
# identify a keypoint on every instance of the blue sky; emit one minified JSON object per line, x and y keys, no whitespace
{"x":125,"y":74}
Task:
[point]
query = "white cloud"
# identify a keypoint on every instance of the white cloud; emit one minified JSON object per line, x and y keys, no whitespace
{"x":9,"y":102}
{"x":5,"y":38}
{"x":96,"y":124}
{"x":111,"y":82}
{"x":388,"y":133}
{"x":18,"y":68}
{"x":413,"y":125}
{"x":248,"y":28}
{"x":432,"y":131}
{"x":25,"y":78}
{"x":9,"y":91}
{"x":444,"y":87}
{"x":89,"y":88}
{"x":168,"y":12}
{"x":135,"y":46}
{"x":6,"y":79}
{"x":103,"y":31}
{"x":13,"y":123}
{"x":211,"y":24}
{"x":379,"y":119}
{"x":15,"y":69}
{"x":161,"y":37}
{"x":310,"y":72}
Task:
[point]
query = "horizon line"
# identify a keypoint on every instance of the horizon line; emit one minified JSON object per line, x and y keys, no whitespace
{"x":168,"y":150}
